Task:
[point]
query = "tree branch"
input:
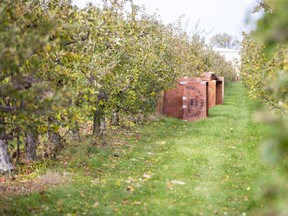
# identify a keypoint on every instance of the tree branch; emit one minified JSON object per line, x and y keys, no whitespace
{"x":126,"y":109}
{"x":75,"y":41}
{"x":8,"y":108}
{"x":4,"y":76}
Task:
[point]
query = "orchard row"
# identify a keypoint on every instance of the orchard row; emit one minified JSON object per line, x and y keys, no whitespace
{"x":63,"y":66}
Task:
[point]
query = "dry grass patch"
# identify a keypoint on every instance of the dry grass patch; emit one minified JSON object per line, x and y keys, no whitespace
{"x":20,"y":184}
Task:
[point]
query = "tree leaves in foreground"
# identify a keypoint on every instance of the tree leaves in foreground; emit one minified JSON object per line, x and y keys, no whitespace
{"x":265,"y":73}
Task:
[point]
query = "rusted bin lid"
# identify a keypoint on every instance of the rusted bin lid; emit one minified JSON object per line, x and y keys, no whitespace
{"x":184,"y":80}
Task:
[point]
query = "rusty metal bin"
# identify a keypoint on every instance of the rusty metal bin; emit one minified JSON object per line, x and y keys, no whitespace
{"x":188,"y":101}
{"x":195,"y":101}
{"x":172,"y":104}
{"x":223,"y":84}
{"x":219,"y":92}
{"x":212,"y":93}
{"x":216,"y":88}
{"x":193,"y":97}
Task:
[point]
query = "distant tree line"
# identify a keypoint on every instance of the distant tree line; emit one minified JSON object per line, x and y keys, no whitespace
{"x":224,"y":40}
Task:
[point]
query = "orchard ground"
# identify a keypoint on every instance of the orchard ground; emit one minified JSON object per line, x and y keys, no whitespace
{"x":165,"y":167}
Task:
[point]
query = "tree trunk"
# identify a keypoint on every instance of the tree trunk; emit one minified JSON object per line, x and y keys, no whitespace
{"x":55,"y":140}
{"x":31,"y":143}
{"x":96,"y":123}
{"x":99,"y":123}
{"x":102,"y":126}
{"x":18,"y":147}
{"x":5,"y":160}
{"x":75,"y":132}
{"x":99,"y":120}
{"x":115,"y":118}
{"x":55,"y":143}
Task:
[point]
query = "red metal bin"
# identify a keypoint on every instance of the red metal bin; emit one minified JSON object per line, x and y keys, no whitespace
{"x":189,"y":101}
{"x":216,"y":88}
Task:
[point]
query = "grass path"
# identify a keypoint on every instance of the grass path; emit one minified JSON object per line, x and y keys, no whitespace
{"x":168,"y":167}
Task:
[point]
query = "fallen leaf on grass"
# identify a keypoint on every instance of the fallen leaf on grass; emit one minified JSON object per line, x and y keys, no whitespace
{"x":138,"y":137}
{"x":129,"y":188}
{"x":82,"y":194}
{"x":125,"y":202}
{"x":60,"y":210}
{"x":42,"y":192}
{"x":169,"y":185}
{"x":116,"y":155}
{"x":145,"y":175}
{"x":87,"y":173}
{"x":177,"y":182}
{"x":94,"y":182}
{"x":60,"y":203}
{"x":96,"y":204}
{"x":118,"y":183}
{"x":130,"y":180}
{"x":71,"y":214}
{"x":245,"y":198}
{"x":34,"y":209}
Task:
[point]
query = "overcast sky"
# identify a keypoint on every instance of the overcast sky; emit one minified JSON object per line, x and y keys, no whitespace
{"x":215,"y":16}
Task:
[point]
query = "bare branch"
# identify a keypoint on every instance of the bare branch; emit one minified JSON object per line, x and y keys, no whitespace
{"x":8,"y":108}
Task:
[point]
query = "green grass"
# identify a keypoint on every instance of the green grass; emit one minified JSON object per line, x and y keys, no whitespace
{"x":216,"y":161}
